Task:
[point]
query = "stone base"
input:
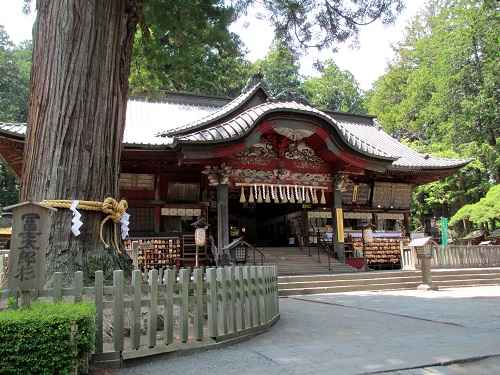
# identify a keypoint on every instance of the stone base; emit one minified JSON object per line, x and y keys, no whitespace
{"x":427,"y":287}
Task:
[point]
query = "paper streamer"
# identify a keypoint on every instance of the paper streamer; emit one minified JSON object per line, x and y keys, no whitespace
{"x":125,"y":222}
{"x":77,"y":223}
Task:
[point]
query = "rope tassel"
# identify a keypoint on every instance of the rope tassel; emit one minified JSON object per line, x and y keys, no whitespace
{"x":111,"y":207}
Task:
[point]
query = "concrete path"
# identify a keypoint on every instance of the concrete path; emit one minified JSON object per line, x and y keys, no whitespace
{"x":449,"y":331}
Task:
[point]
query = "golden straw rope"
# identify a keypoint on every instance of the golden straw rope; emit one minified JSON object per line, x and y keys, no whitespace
{"x":111,"y":207}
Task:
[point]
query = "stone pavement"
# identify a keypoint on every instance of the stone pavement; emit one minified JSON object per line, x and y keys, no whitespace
{"x":411,"y":332}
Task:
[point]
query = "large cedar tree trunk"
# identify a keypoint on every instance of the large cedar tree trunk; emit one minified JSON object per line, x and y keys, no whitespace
{"x":78,"y":97}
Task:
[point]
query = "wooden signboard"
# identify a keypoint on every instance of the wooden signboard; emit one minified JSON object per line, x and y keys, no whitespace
{"x":392,"y":195}
{"x":30,"y":237}
{"x":340,"y":225}
{"x":356,"y":194}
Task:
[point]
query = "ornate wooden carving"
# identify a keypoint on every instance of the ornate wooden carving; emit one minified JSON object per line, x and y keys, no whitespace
{"x":281,"y":147}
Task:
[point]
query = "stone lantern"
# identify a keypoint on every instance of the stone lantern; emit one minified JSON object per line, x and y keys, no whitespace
{"x":423,"y":248}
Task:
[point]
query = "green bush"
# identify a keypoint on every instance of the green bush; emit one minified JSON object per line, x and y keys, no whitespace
{"x":39,"y":340}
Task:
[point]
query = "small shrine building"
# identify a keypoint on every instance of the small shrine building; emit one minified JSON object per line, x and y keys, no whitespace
{"x":274,"y":170}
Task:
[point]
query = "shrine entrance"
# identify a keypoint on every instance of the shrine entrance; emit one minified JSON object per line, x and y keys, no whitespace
{"x":274,"y":215}
{"x":267,"y":224}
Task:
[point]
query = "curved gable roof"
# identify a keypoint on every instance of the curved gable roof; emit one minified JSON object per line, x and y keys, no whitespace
{"x":220,"y":114}
{"x":363,"y":137}
{"x":245,"y":122}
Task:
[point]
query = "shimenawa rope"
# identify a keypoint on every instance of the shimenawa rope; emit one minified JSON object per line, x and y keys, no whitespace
{"x":110,"y":206}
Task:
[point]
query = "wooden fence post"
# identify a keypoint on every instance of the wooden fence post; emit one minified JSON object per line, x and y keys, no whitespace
{"x":256,"y":295}
{"x":240,"y":306}
{"x":184,"y":276}
{"x":118,"y":331}
{"x":78,"y":287}
{"x":248,"y":297}
{"x":135,"y":254}
{"x":198,"y":312}
{"x":98,"y":296}
{"x":213,"y":329}
{"x":135,"y":326}
{"x":261,"y":295}
{"x":168,"y":317}
{"x":153,"y":307}
{"x":221,"y":278}
{"x":57,"y":286}
{"x":231,"y":300}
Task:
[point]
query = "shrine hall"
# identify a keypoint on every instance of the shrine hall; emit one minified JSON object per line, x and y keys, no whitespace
{"x":273,"y":170}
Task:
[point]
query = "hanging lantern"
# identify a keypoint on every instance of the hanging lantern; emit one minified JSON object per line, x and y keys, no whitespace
{"x":323,"y":200}
{"x":267,"y":198}
{"x":242,"y":195}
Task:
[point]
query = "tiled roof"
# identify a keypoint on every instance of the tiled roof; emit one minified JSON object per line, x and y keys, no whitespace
{"x":145,"y":119}
{"x":181,"y":120}
{"x":475,"y":233}
{"x":217,"y":114}
{"x":15,"y":129}
{"x":359,"y":134}
{"x":366,"y":138}
{"x":495,"y":234}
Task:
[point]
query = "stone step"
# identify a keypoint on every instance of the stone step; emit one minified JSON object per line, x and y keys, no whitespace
{"x":297,"y":261}
{"x":385,"y":280}
{"x":436,"y":273}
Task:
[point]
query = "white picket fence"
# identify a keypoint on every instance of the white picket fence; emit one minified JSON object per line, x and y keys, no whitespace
{"x":454,"y":256}
{"x":201,"y":307}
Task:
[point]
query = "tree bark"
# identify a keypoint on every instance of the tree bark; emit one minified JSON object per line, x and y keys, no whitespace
{"x":78,"y":98}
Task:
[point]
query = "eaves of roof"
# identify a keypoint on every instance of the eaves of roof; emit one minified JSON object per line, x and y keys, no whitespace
{"x":216,"y":115}
{"x":243,"y":123}
{"x":14,"y":129}
{"x":364,"y":136}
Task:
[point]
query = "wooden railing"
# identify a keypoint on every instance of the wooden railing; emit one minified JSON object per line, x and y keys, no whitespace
{"x":454,"y":256}
{"x":200,"y":307}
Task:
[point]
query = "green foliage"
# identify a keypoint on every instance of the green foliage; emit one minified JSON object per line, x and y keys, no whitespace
{"x":485,"y":211}
{"x":12,"y":301}
{"x":15,"y":65}
{"x":9,"y":187}
{"x":38,"y":339}
{"x":440,"y":93}
{"x":186,"y":46}
{"x":442,"y":84}
{"x":280,"y":68}
{"x":335,"y":89}
{"x":322,"y":24}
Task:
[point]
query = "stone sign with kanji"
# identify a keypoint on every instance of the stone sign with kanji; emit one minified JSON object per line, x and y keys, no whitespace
{"x":28,"y":247}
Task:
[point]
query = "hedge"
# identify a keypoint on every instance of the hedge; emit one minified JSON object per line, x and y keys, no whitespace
{"x":41,"y":338}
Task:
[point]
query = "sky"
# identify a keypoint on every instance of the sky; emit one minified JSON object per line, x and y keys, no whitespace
{"x":366,"y":64}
